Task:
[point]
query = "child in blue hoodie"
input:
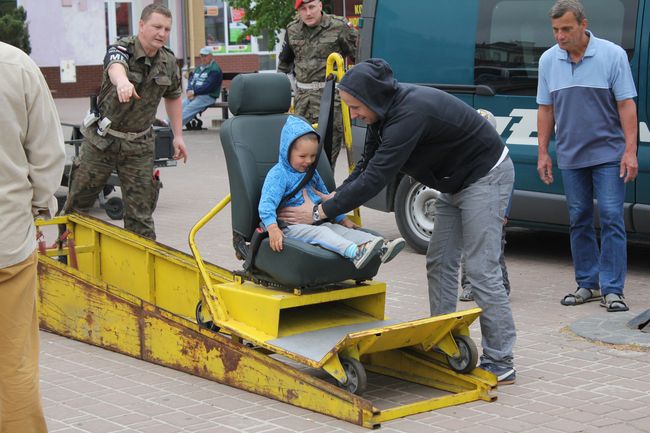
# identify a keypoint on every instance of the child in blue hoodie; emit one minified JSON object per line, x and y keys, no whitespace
{"x":298,"y":149}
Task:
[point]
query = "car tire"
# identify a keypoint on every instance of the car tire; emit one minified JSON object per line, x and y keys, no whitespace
{"x":414,"y":212}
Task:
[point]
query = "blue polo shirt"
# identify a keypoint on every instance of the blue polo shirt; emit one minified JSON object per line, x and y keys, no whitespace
{"x":584,"y":96}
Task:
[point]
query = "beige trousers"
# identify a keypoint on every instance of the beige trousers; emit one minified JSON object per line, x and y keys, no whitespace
{"x":20,"y":400}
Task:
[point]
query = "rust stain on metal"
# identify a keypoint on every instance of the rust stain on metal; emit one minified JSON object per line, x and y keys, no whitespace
{"x":291,"y":394}
{"x":230,"y":360}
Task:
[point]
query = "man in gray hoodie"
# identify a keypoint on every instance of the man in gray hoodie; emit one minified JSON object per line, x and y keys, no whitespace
{"x":446,"y":145}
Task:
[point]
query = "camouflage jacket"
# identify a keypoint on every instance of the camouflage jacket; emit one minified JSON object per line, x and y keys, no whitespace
{"x":306,"y":48}
{"x":153,"y":77}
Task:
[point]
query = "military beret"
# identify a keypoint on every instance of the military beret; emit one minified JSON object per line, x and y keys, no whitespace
{"x":302,"y":2}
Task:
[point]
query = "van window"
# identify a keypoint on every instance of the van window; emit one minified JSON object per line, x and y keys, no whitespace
{"x":512,"y":35}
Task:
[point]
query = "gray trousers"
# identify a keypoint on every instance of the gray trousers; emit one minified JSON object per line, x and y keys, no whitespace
{"x":333,"y":237}
{"x":471,"y":221}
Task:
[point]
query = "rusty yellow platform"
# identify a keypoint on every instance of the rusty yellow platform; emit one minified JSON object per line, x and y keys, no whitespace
{"x":138,"y":297}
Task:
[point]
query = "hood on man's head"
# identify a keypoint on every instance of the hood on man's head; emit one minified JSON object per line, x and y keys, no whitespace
{"x":372,"y":83}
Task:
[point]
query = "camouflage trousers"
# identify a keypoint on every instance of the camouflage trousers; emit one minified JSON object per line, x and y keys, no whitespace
{"x":307,"y":104}
{"x":133,"y":162}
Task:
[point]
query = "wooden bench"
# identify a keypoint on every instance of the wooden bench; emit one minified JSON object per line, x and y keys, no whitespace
{"x":223,"y":103}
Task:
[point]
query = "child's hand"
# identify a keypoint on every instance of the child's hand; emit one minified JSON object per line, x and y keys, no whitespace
{"x":324,"y":197}
{"x":347,"y":222}
{"x":275,"y":237}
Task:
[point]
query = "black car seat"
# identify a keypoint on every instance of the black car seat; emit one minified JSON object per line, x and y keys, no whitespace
{"x":250,"y":141}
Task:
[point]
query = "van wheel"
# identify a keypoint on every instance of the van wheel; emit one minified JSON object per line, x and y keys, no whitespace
{"x":414,"y":212}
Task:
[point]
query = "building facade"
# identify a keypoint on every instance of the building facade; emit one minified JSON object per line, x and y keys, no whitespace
{"x":69,"y":37}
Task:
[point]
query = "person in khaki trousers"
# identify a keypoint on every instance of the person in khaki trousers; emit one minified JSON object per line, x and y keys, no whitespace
{"x":31,"y":165}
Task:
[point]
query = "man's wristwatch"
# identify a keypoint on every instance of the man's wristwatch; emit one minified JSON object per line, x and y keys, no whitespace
{"x":315,"y":215}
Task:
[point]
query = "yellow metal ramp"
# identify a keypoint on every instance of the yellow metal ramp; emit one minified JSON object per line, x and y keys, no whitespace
{"x":138,"y":297}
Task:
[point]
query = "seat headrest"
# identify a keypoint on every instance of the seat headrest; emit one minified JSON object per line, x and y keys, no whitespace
{"x":262,"y":93}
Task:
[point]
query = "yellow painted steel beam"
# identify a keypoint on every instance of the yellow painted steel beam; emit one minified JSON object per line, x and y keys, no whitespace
{"x":211,"y":292}
{"x":335,"y":59}
{"x":85,"y":309}
{"x":153,"y":272}
{"x":408,"y":365}
{"x":405,"y":365}
{"x":149,"y":322}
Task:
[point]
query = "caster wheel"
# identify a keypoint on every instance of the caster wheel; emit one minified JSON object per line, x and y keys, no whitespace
{"x":468,"y":357}
{"x":108,"y":189}
{"x":114,"y":208}
{"x":60,"y":201}
{"x":206,"y":324}
{"x":356,"y":373}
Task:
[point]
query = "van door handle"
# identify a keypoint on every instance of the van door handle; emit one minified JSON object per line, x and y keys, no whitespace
{"x":480,"y":89}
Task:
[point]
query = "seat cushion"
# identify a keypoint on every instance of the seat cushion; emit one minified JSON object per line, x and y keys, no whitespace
{"x":303,"y":265}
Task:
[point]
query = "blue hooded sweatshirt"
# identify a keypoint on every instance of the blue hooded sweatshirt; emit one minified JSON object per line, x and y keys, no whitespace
{"x":282,"y":178}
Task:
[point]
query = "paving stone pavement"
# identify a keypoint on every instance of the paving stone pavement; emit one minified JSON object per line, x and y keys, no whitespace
{"x":564,"y":383}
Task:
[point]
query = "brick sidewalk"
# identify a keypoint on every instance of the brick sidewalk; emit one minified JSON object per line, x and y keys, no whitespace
{"x":564,"y":383}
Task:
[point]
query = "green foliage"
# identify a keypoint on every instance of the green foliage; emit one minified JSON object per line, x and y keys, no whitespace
{"x":13,"y":26}
{"x":265,"y":16}
{"x":268,"y":17}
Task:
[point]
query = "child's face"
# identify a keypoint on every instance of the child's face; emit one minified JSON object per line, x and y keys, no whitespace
{"x":303,"y":153}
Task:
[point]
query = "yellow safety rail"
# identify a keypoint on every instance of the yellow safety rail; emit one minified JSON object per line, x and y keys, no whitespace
{"x":212,"y":293}
{"x":332,"y":60}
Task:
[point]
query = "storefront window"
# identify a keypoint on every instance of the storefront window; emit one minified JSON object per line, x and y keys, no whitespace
{"x":224,"y":27}
{"x":213,"y":11}
{"x":236,"y":42}
{"x":119,"y":20}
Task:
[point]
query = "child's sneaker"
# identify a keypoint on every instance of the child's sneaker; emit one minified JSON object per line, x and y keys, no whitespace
{"x":390,"y":249}
{"x":366,"y":251}
{"x":505,"y":375}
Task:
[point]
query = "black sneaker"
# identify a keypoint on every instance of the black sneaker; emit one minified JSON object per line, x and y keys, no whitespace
{"x":505,"y":375}
{"x":466,"y":295}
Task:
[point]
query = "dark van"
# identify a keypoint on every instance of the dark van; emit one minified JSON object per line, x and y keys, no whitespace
{"x":486,"y":53}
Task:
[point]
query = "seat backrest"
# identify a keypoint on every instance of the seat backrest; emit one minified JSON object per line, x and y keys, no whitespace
{"x":251,"y":140}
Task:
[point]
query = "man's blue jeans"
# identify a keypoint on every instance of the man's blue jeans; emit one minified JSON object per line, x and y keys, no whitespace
{"x":595,"y":267}
{"x":196,"y":105}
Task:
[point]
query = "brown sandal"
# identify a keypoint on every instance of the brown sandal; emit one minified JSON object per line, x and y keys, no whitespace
{"x":581,"y":296}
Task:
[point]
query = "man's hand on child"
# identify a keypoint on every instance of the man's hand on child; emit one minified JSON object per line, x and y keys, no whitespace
{"x":324,"y":197}
{"x":298,"y":214}
{"x":275,"y":237}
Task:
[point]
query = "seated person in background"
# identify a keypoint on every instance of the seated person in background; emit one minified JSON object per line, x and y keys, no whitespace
{"x":298,"y":149}
{"x":204,"y":86}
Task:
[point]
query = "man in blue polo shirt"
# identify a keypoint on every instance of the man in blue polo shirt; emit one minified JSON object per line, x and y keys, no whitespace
{"x":586,"y":90}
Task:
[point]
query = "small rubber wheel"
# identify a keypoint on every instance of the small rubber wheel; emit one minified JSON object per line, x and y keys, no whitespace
{"x":60,"y":201}
{"x":357,"y":377}
{"x":108,"y":189}
{"x":206,"y":324}
{"x":468,"y":357}
{"x":114,"y":208}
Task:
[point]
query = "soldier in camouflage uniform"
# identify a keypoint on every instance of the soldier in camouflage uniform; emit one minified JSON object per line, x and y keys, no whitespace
{"x":309,"y":39}
{"x":138,"y":72}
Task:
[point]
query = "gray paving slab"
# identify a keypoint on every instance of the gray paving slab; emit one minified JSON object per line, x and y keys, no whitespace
{"x":611,"y":328}
{"x":565,"y":383}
